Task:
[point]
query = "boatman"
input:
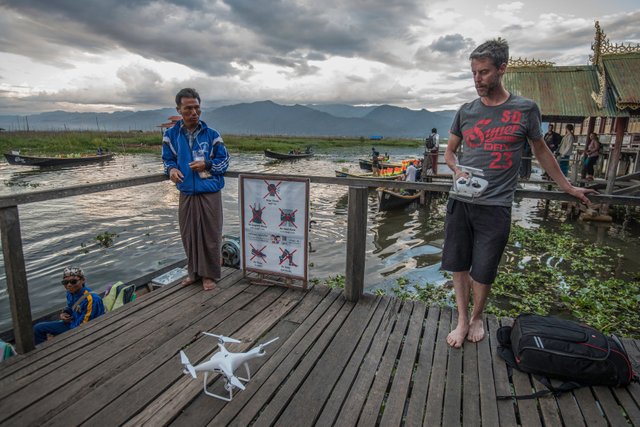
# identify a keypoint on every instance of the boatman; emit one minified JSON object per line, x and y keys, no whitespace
{"x":432,"y":148}
{"x":83,"y":305}
{"x":493,"y":129}
{"x":195,"y":159}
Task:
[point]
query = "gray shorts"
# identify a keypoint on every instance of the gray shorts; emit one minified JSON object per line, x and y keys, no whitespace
{"x":474,"y":238}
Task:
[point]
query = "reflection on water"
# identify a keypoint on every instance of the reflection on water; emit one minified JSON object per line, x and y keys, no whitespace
{"x":62,"y":232}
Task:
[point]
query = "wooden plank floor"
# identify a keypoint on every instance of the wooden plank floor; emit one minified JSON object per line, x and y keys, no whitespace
{"x":378,"y":362}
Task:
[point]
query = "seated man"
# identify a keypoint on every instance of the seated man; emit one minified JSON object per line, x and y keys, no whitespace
{"x":411,"y":172}
{"x":410,"y":175}
{"x":82,"y":306}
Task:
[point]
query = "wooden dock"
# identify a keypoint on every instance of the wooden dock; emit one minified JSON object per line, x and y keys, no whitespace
{"x":379,"y":361}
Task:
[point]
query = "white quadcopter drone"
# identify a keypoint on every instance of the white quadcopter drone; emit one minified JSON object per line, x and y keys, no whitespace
{"x":225,"y":363}
{"x":470,"y":186}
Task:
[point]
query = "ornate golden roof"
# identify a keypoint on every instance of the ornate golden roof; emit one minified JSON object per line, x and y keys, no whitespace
{"x":602,"y":46}
{"x":526,"y":62}
{"x":624,"y":76}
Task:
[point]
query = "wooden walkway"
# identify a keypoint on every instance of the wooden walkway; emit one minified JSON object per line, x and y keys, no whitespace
{"x":378,"y":362}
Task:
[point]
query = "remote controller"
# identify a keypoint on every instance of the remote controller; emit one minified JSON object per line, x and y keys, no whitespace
{"x":470,"y":186}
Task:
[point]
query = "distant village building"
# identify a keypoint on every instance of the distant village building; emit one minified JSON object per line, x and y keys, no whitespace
{"x":601,"y":97}
{"x":172,"y":121}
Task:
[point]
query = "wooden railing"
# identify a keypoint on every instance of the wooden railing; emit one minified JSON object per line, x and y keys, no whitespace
{"x":17,"y":285}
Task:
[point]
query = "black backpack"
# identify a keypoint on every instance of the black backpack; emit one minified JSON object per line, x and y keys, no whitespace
{"x":570,"y":351}
{"x":430,"y":143}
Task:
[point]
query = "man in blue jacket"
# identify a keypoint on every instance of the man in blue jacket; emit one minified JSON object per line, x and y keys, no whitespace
{"x":195,"y":159}
{"x":83,"y":305}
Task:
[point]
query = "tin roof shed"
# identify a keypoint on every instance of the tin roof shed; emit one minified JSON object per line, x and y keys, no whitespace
{"x":563,"y":93}
{"x":608,"y":87}
{"x":622,"y":71}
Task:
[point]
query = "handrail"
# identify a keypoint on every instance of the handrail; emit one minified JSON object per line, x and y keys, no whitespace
{"x":17,"y":285}
{"x":435,"y":186}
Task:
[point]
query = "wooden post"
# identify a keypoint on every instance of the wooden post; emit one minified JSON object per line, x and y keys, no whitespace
{"x":16,"y":278}
{"x":614,"y":155}
{"x":356,"y":243}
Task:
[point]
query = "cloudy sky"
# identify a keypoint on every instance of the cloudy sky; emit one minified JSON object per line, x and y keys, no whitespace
{"x":108,"y":55}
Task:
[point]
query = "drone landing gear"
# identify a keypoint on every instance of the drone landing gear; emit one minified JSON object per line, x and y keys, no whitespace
{"x":246,"y":367}
{"x":227,"y":385}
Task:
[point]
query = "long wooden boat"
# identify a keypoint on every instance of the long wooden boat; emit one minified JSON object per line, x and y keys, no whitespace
{"x":345,"y":174}
{"x":286,"y":156}
{"x":15,"y":158}
{"x":389,"y":199}
{"x":367,"y":164}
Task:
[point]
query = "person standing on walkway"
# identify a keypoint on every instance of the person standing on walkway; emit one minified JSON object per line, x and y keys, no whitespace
{"x":493,"y":129}
{"x":591,"y":155}
{"x":83,"y":305}
{"x":565,"y":150}
{"x":552,"y":139}
{"x":195,"y":159}
{"x":432,"y":148}
{"x":525,"y":163}
{"x":375,"y":162}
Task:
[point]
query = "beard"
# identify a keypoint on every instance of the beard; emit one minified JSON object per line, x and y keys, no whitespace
{"x":487,"y":89}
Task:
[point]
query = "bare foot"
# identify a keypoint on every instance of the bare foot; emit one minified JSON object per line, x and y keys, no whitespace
{"x":476,"y":330}
{"x":208,"y":284}
{"x":456,"y":337}
{"x":187,"y":281}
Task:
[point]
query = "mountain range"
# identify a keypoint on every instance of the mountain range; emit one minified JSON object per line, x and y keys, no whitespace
{"x":256,"y":118}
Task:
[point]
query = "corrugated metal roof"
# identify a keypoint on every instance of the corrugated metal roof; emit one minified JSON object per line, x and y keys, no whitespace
{"x":561,"y":92}
{"x":622,"y":72}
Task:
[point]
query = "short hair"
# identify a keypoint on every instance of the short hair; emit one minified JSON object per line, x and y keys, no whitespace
{"x":497,"y":50}
{"x":187,"y":93}
{"x":570,"y":127}
{"x":434,"y":130}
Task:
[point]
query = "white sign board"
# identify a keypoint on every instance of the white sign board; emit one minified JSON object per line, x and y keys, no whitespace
{"x":275,"y":222}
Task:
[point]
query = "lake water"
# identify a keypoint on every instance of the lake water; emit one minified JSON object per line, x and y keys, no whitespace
{"x":405,"y":243}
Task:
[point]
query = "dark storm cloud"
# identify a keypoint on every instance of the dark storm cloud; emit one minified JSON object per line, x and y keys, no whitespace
{"x":451,"y":44}
{"x":207,"y":35}
{"x":447,"y":53}
{"x":154,"y":30}
{"x":334,"y":27}
{"x":568,"y":42}
{"x":623,"y":27}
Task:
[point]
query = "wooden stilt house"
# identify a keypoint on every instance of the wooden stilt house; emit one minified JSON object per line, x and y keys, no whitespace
{"x":601,"y":97}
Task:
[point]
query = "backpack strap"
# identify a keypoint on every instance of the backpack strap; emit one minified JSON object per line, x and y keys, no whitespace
{"x":555,"y":391}
{"x":76,"y":305}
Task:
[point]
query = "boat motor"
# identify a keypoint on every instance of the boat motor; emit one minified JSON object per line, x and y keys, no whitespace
{"x":231,"y":251}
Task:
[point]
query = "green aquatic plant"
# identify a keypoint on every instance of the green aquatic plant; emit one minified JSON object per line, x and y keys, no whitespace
{"x":21,"y":184}
{"x":106,"y":239}
{"x":120,"y":142}
{"x":429,"y":293}
{"x":566,"y":275}
{"x":335,"y":282}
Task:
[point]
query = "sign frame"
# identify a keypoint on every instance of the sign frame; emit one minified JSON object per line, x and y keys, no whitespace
{"x":265,"y":271}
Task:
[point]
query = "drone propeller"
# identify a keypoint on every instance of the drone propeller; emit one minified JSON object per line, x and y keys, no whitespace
{"x":222,"y":338}
{"x":268,"y":342}
{"x":236,"y":382}
{"x":185,"y":361}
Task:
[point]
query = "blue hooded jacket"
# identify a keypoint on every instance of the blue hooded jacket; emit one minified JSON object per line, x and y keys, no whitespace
{"x":89,"y":308}
{"x":178,"y":153}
